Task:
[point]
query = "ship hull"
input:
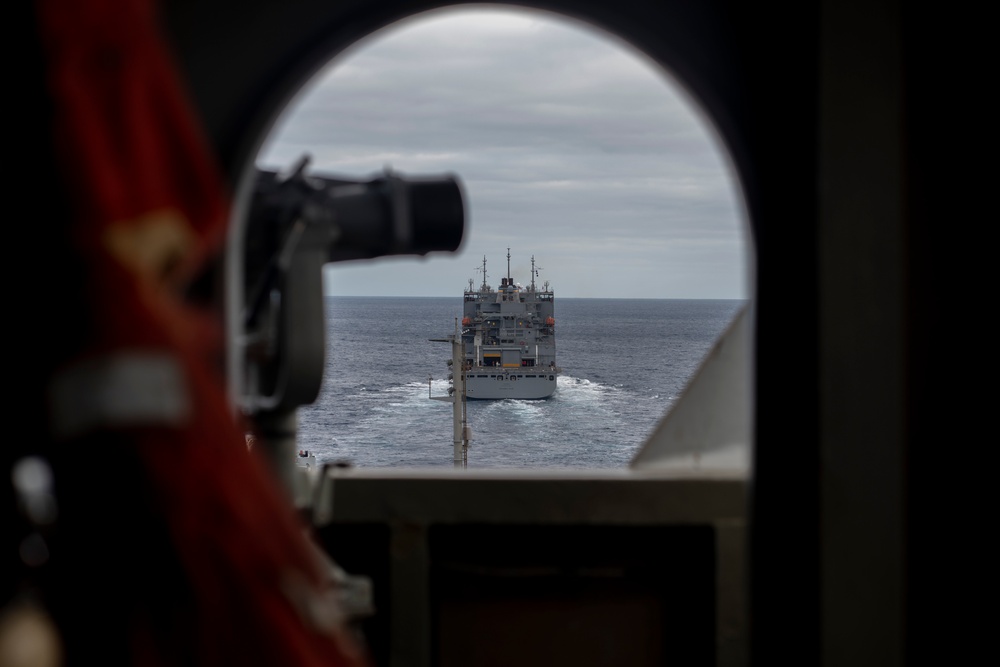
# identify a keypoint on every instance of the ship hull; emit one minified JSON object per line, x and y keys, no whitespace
{"x":498,"y":385}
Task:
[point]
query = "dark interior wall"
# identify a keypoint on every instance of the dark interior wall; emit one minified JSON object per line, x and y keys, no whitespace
{"x":525,"y":594}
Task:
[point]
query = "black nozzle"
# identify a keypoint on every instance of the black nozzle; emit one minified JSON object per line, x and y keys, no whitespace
{"x":438,"y":210}
{"x":394,"y":215}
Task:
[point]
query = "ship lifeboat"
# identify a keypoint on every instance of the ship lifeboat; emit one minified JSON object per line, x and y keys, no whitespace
{"x":550,"y":321}
{"x":466,"y":321}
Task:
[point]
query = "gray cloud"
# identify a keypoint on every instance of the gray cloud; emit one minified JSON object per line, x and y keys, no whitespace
{"x":571,"y":147}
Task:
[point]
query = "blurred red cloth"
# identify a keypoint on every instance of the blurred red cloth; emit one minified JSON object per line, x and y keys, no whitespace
{"x":149,"y":210}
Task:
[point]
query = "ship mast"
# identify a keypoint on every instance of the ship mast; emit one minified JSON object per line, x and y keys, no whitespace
{"x":508,"y":266}
{"x":457,"y":397}
{"x":485,"y":286}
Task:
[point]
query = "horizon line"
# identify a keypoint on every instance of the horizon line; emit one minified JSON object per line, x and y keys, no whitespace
{"x":458,"y":296}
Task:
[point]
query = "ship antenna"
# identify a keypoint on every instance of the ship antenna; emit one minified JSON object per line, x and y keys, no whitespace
{"x":508,"y":266}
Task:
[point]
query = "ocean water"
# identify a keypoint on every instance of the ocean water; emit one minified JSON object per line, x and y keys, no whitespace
{"x":624,"y":363}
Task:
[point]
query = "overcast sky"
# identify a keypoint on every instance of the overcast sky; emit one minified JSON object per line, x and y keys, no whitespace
{"x":571,"y":147}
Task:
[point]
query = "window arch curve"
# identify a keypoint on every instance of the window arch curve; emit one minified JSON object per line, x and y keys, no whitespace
{"x":346,"y":56}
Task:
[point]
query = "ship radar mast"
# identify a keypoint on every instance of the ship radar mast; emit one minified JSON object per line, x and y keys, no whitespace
{"x":485,"y":287}
{"x":509,"y":282}
{"x":534,"y":272}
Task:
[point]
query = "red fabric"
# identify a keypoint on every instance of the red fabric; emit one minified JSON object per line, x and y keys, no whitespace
{"x":149,"y":209}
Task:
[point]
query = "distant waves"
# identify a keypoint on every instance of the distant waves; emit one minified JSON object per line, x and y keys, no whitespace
{"x":374,"y":409}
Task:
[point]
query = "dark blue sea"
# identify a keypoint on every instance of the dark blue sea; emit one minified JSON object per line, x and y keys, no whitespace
{"x":624,"y":362}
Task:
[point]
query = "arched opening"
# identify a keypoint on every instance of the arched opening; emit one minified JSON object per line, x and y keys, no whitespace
{"x":574,"y":150}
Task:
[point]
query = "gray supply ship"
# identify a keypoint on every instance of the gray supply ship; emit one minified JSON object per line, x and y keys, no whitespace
{"x":508,"y":339}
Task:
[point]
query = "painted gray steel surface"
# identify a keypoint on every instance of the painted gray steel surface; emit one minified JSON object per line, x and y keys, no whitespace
{"x":508,"y":339}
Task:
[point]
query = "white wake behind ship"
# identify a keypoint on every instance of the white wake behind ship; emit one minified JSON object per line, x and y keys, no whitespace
{"x":508,"y":339}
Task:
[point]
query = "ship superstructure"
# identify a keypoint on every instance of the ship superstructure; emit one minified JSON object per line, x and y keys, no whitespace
{"x":508,"y":339}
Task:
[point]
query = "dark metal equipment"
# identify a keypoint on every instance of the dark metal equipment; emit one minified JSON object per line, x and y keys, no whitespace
{"x":296,"y":223}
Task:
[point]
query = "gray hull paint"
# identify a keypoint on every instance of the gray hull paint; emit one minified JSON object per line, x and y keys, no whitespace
{"x":508,"y":339}
{"x":498,"y":386}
